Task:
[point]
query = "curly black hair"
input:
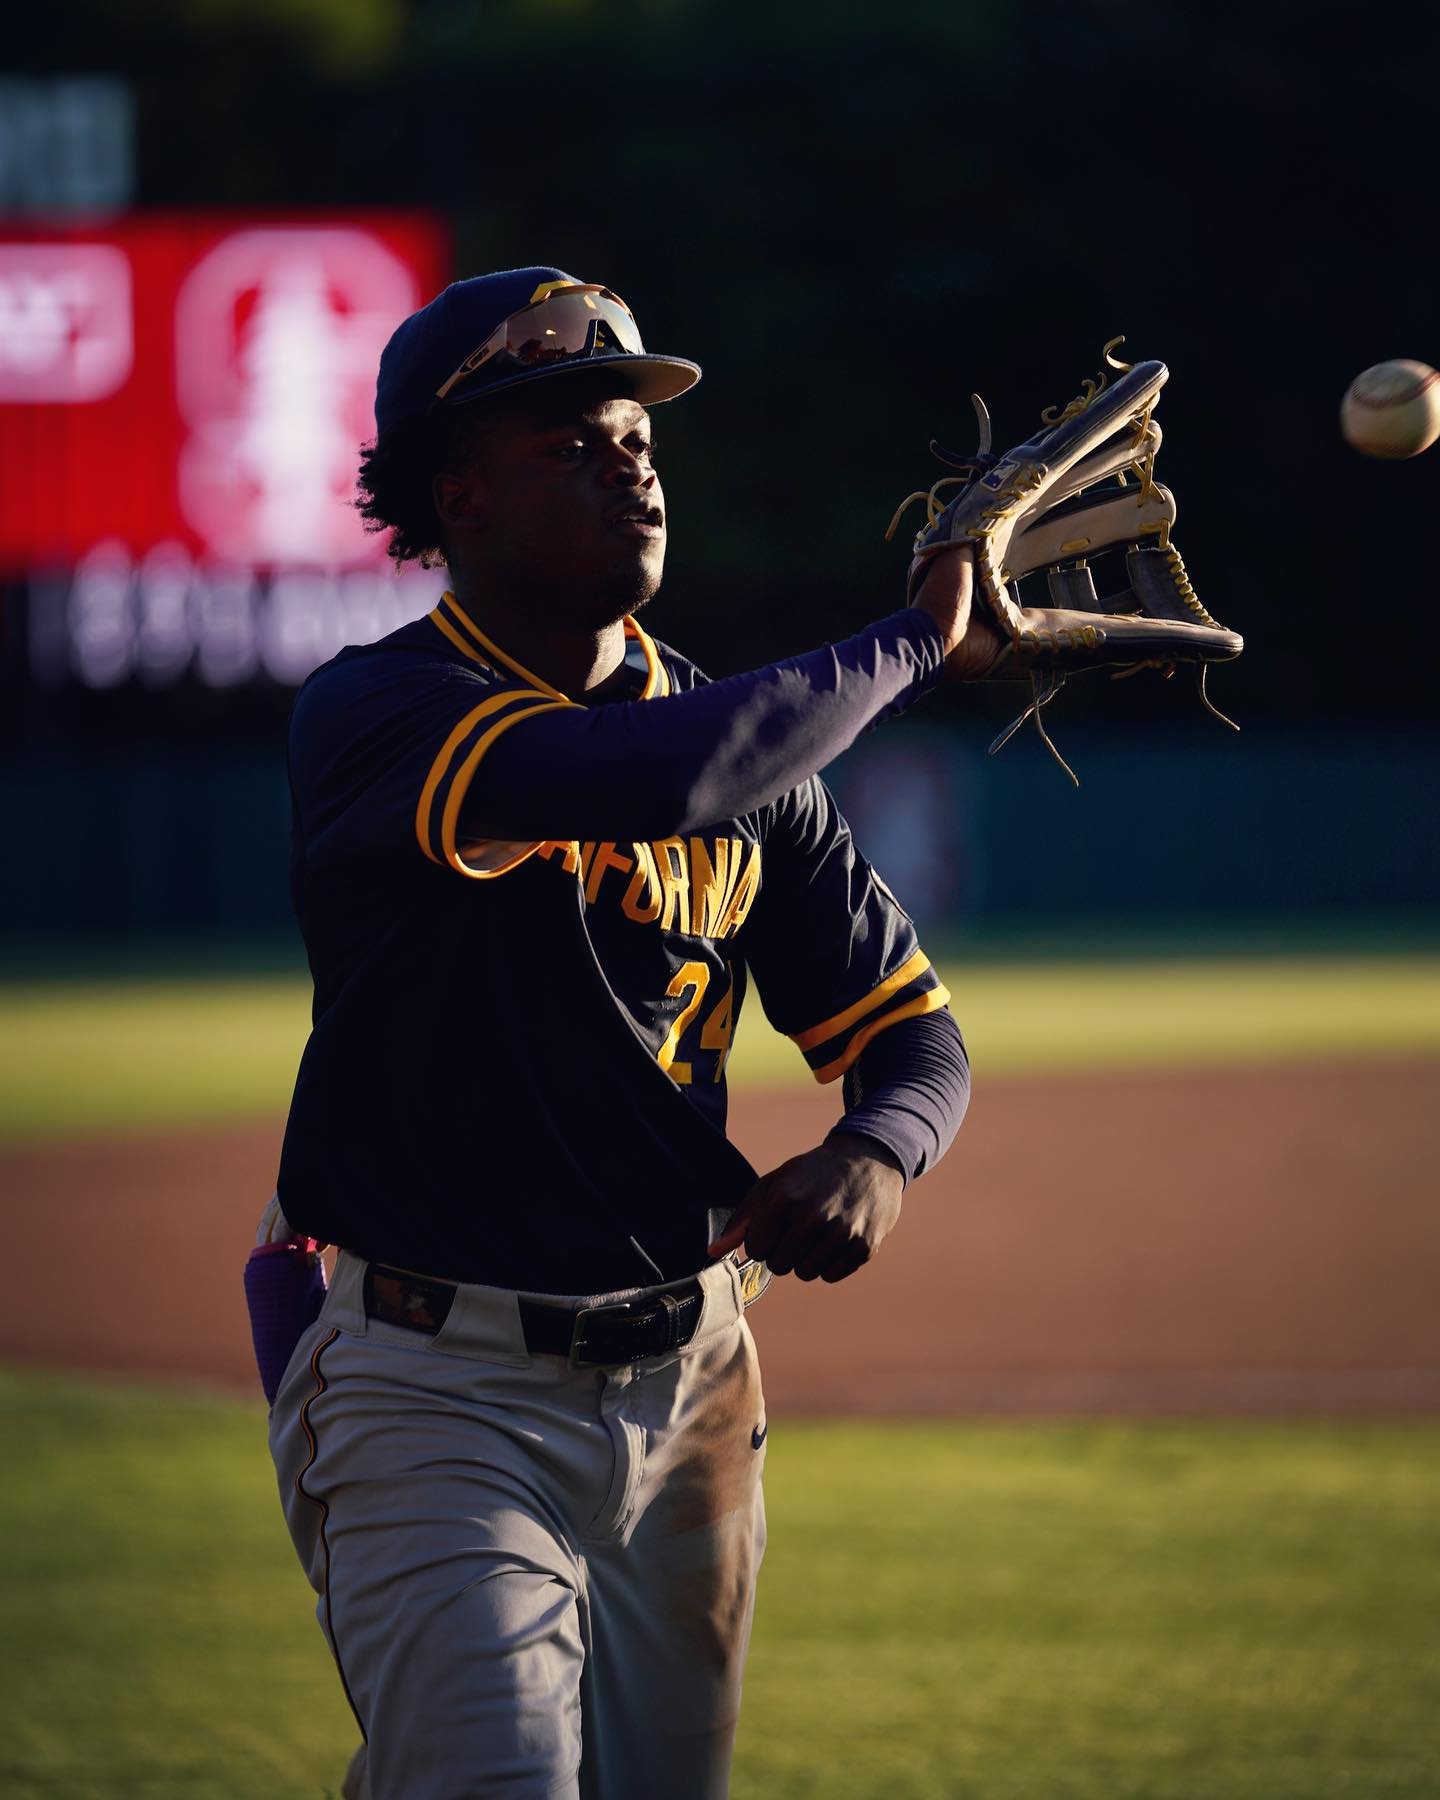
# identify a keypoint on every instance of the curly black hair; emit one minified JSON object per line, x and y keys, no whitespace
{"x":396,"y":479}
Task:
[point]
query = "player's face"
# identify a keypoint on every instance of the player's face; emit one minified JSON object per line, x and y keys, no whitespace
{"x":561,"y":501}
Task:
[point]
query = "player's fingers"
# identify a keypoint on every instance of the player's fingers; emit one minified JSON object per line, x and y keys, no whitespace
{"x":793,"y":1242}
{"x":854,"y":1257}
{"x":825,"y":1246}
{"x":733,"y":1236}
{"x":746,"y":1221}
{"x":780,"y":1257}
{"x":770,"y":1215}
{"x":764,"y":1233}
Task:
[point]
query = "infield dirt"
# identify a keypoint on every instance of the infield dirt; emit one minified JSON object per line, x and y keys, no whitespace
{"x":1261,"y":1241}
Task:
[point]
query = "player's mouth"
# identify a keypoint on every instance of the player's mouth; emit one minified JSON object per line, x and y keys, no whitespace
{"x":638,"y":519}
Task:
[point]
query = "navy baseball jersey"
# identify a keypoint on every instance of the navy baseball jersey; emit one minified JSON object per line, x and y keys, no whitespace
{"x":516,"y":1073}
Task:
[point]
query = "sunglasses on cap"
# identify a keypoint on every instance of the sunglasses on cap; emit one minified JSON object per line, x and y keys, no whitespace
{"x":571,"y":320}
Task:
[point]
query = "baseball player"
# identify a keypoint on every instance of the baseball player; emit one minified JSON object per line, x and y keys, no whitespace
{"x":538,"y":858}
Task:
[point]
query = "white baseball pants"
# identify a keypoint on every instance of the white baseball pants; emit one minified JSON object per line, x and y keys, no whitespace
{"x":535,"y":1580}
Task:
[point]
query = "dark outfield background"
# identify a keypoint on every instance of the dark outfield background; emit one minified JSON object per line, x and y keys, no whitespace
{"x":852,"y":216}
{"x":1198,"y":1182}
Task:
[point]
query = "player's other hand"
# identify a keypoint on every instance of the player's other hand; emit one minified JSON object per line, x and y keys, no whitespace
{"x":822,"y":1214}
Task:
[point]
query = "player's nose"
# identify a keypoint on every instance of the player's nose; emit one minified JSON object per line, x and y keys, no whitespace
{"x":624,"y":469}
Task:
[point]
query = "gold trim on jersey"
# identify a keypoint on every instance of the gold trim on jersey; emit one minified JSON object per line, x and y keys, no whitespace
{"x":657,"y":685}
{"x":930,"y":1001}
{"x":442,"y":624}
{"x":459,"y":786}
{"x":511,"y":852}
{"x":657,"y":677}
{"x":908,"y":971}
{"x":492,"y":650}
{"x":448,"y":749}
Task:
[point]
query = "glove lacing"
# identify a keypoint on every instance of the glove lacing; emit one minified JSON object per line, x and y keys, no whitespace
{"x":1027,"y":641}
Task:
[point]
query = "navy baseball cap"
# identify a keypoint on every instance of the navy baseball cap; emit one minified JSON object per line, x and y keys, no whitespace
{"x":493,"y":332}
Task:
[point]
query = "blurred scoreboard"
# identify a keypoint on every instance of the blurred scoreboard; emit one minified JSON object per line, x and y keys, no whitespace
{"x":182,"y":400}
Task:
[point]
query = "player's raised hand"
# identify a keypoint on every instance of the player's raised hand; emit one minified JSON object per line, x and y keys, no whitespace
{"x":946,"y":592}
{"x":823,"y":1214}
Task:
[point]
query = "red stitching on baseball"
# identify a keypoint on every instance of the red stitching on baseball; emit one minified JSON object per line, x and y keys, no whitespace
{"x":1414,"y":393}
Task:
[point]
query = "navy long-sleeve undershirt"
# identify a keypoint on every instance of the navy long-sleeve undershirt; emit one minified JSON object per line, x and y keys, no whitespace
{"x":652,"y":769}
{"x":908,"y":1091}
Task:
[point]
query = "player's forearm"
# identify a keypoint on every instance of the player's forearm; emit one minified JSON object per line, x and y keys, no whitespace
{"x":908,"y":1091}
{"x":650,"y":769}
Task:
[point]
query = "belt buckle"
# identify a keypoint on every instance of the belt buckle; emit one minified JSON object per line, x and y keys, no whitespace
{"x":577,"y":1359}
{"x":665,"y":1306}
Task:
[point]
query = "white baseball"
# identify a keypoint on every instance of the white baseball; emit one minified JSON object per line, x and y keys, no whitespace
{"x":1392,"y":410}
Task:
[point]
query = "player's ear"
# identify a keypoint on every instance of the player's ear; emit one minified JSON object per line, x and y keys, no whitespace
{"x":459,"y":502}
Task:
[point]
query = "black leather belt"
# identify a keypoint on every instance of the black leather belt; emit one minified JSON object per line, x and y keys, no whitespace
{"x":624,"y":1331}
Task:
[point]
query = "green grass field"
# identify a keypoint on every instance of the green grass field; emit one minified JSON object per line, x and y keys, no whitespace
{"x":122,"y":1055}
{"x":1094,"y":1611}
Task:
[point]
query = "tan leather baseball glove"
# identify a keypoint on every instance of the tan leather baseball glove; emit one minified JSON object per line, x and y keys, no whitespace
{"x":1082,"y":487}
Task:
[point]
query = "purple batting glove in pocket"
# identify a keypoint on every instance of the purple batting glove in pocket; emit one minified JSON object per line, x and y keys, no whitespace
{"x":284,"y":1290}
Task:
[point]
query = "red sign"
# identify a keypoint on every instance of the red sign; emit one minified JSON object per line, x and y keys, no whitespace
{"x":198,"y":380}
